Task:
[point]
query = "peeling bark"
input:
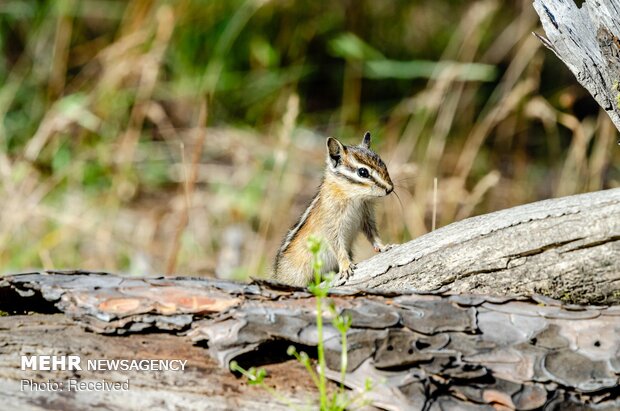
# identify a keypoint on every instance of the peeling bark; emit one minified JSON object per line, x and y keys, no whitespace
{"x":587,"y":40}
{"x":566,"y":248}
{"x":204,"y":385}
{"x":433,"y":351}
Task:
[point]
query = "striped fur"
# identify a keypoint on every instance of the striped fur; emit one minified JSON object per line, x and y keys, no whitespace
{"x":342,"y":207}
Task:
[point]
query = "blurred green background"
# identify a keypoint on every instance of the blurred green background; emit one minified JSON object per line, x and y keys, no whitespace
{"x":151,"y":137}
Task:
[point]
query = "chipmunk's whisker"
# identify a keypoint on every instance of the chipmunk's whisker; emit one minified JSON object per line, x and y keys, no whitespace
{"x":402,"y":208}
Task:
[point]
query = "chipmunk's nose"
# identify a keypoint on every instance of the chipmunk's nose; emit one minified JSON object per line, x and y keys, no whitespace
{"x":389,"y":190}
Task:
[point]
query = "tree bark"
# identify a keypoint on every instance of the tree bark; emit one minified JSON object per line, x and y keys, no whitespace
{"x":421,"y":351}
{"x":566,"y":248}
{"x":587,"y":40}
{"x":203,"y":385}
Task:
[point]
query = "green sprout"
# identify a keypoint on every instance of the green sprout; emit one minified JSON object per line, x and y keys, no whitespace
{"x":256,"y":376}
{"x":342,"y":322}
{"x":320,"y":291}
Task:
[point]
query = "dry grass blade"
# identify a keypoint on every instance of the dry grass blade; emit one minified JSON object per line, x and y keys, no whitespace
{"x":188,"y":189}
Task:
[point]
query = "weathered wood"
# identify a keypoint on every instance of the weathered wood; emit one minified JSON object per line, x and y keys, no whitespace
{"x":566,"y":248}
{"x":587,"y":40}
{"x":204,"y":385}
{"x":422,"y":351}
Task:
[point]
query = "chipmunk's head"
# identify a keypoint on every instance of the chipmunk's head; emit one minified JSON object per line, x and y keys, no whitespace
{"x":358,"y":167}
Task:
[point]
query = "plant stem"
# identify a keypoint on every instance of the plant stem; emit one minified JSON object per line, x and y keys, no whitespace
{"x":319,"y":327}
{"x":321,"y":352}
{"x":343,"y":360}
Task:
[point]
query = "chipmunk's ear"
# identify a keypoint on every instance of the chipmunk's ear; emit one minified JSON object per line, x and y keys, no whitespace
{"x":366,"y":140}
{"x":334,"y":151}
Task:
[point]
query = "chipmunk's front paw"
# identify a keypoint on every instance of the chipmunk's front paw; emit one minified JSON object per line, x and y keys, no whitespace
{"x":349,"y":271}
{"x":345,"y":274}
{"x":383,"y":248}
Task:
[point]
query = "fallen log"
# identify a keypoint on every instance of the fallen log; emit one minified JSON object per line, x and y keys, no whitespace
{"x":202,"y":385}
{"x":566,"y":248}
{"x":422,"y":351}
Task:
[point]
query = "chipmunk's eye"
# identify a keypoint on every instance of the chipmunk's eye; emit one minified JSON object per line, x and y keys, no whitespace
{"x":362,"y":172}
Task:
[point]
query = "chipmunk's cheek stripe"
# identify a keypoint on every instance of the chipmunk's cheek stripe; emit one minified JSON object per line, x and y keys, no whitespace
{"x":379,"y":183}
{"x":375,"y":166}
{"x":350,"y":173}
{"x":350,"y":179}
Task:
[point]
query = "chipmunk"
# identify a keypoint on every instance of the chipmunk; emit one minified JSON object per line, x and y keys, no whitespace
{"x":354,"y":177}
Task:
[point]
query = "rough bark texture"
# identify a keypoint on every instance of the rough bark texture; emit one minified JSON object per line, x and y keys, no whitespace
{"x":204,"y":385}
{"x":587,"y":40}
{"x":566,"y":248}
{"x":422,"y":351}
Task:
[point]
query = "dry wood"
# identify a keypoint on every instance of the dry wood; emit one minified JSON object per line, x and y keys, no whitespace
{"x":204,"y":385}
{"x":422,"y":351}
{"x":566,"y":248}
{"x":587,"y":40}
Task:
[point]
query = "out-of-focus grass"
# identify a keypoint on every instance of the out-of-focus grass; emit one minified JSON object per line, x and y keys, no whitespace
{"x":101,"y":164}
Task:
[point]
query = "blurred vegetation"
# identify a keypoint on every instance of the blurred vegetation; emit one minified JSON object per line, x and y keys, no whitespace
{"x":185,"y":136}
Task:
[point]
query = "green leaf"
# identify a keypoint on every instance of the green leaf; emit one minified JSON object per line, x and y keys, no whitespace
{"x":304,"y":358}
{"x":351,"y":47}
{"x":75,"y":107}
{"x":263,"y":52}
{"x":314,"y":244}
{"x":382,"y":69}
{"x":61,"y":158}
{"x":367,"y":384}
{"x":319,"y":290}
{"x":291,"y":350}
{"x":342,"y":322}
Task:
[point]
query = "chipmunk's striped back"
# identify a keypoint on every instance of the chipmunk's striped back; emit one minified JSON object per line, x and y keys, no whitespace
{"x":342,"y":207}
